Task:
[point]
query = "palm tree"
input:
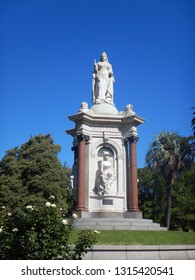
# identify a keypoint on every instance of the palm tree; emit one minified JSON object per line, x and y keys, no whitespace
{"x":168,"y":152}
{"x":193,"y":121}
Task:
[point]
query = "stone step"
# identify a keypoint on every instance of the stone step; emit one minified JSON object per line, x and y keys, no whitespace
{"x":115,"y":220}
{"x":122,"y":227}
{"x":91,"y":223}
{"x":143,"y":252}
{"x":118,"y":224}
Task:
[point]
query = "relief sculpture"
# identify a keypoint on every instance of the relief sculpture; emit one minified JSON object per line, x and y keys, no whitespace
{"x":105,"y":176}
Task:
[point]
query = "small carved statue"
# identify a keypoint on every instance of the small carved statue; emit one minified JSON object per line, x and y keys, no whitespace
{"x":107,"y":176}
{"x":84,"y":108}
{"x":71,"y":181}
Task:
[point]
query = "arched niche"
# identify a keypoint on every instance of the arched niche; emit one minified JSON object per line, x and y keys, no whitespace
{"x":111,"y":144}
{"x":106,"y":177}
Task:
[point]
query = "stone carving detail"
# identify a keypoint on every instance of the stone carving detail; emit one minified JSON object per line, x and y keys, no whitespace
{"x":128,"y":110}
{"x":82,"y":137}
{"x":105,"y":176}
{"x":84,"y":108}
{"x":105,"y":137}
{"x":102,"y":82}
{"x":132,"y":139}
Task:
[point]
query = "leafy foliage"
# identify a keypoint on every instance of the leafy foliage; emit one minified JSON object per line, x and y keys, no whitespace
{"x":193,"y":121}
{"x":31,"y":227}
{"x":41,"y":232}
{"x":31,"y":173}
{"x":152,"y":194}
{"x":171,"y":154}
{"x":183,"y":201}
{"x":152,"y":198}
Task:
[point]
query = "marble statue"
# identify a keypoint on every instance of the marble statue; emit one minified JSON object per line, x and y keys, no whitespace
{"x":107,"y":176}
{"x":102,"y":82}
{"x":71,"y":180}
{"x":84,"y":108}
{"x":128,"y":111}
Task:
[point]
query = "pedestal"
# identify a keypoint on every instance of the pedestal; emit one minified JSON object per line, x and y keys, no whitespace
{"x":102,"y":186}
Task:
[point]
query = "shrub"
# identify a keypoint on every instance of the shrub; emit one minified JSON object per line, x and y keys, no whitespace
{"x":41,"y":233}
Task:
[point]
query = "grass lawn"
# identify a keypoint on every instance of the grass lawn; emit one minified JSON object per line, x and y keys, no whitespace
{"x":123,"y":237}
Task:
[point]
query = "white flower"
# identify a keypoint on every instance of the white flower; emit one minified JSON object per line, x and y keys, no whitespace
{"x":64,"y":222}
{"x":53,"y":205}
{"x":59,"y":257}
{"x":29,"y":207}
{"x":48,"y":204}
{"x":75,"y":216}
{"x":15,"y":229}
{"x":52,"y":197}
{"x":9,"y":214}
{"x":1,"y":229}
{"x":96,"y":231}
{"x":3,"y":207}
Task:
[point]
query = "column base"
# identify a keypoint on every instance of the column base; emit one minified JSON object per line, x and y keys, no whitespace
{"x":133,"y":214}
{"x":133,"y":210}
{"x":81,"y":212}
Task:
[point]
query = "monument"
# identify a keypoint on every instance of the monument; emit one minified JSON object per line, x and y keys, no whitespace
{"x":104,"y":177}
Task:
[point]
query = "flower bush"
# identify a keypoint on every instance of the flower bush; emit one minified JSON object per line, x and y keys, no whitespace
{"x":41,"y":233}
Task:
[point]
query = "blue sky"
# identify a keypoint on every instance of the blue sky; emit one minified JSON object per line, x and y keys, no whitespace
{"x":47,"y":50}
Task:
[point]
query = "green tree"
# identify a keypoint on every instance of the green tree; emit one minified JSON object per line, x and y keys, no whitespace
{"x":183,"y":201}
{"x":193,"y":121}
{"x":31,"y":173}
{"x":152,"y":194}
{"x":171,"y":154}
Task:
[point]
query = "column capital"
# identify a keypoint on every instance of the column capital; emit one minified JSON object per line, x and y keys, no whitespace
{"x":132,"y":139}
{"x":83,"y":137}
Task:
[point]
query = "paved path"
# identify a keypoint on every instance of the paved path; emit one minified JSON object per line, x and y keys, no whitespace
{"x":154,"y":252}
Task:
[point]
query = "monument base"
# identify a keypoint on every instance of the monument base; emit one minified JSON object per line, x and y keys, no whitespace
{"x":115,"y":221}
{"x":133,"y":214}
{"x":90,"y":215}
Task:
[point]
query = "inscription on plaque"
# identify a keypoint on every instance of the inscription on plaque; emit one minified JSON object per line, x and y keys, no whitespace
{"x":107,"y":202}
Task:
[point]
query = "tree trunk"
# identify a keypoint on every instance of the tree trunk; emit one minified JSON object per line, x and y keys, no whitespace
{"x":168,"y":206}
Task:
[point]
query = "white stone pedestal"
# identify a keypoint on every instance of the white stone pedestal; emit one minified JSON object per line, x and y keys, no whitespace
{"x":105,"y":179}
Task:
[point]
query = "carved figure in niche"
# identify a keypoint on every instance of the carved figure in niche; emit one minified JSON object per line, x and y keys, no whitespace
{"x":102,"y":82}
{"x":107,"y":176}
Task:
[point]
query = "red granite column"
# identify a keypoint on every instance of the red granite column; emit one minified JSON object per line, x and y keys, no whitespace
{"x":133,"y":185}
{"x":81,"y":173}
